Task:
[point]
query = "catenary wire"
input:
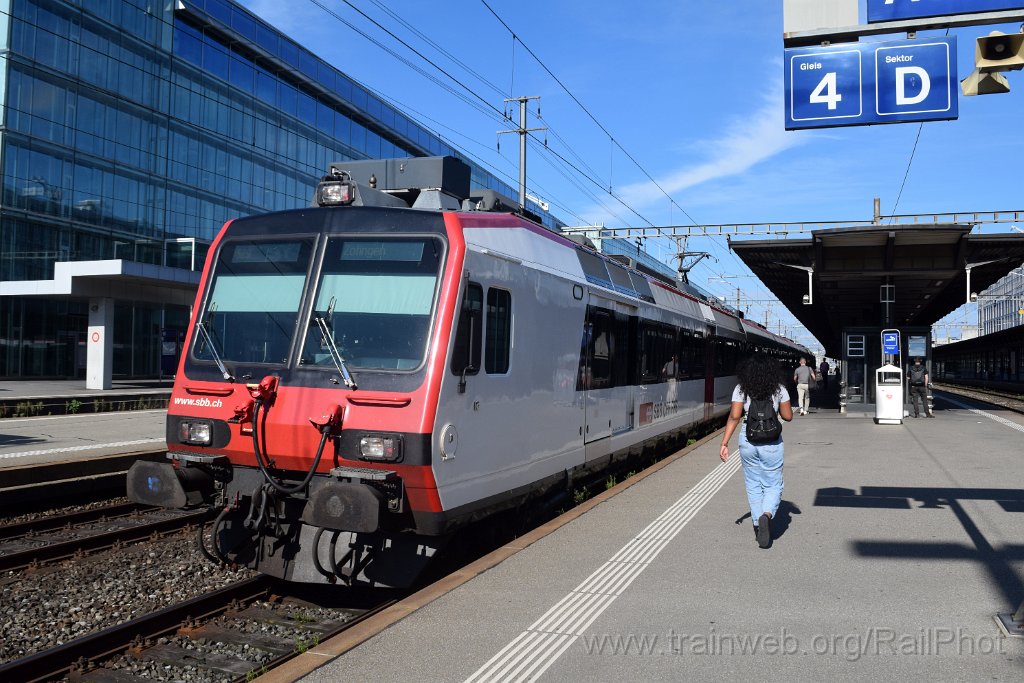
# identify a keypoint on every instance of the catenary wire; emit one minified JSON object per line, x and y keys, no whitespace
{"x":587,"y":111}
{"x":465,"y":87}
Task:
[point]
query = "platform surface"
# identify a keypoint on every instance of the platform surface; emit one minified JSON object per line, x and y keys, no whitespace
{"x":72,"y":388}
{"x":62,"y":438}
{"x":896,"y":546}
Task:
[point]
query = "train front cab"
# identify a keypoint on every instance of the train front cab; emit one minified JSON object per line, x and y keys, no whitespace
{"x":303,"y":406}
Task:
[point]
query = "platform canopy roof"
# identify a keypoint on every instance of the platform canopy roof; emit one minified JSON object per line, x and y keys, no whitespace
{"x":927,"y":265}
{"x":115,"y":279}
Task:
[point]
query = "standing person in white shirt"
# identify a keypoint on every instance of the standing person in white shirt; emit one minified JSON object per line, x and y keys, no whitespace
{"x":803,"y":376}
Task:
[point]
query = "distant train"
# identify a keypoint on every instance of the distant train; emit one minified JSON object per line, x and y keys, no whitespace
{"x":995,"y":361}
{"x":363,"y":378}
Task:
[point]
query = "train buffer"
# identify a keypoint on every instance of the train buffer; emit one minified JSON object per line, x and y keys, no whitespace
{"x":894,"y":550}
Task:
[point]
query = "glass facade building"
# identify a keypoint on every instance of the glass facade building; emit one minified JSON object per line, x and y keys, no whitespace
{"x":1001,"y":306}
{"x":134,"y":129}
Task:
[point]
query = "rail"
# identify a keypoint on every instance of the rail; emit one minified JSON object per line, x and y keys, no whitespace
{"x":40,"y":550}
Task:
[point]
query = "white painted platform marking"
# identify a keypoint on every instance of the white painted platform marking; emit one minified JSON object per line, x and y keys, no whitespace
{"x":538,"y":647}
{"x":997,"y":418}
{"x":73,"y":449}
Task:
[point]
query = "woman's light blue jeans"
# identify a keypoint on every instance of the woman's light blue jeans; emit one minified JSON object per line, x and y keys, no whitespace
{"x":762,"y":472}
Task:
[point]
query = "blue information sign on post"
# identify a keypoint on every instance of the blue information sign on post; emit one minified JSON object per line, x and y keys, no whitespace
{"x":891,"y":341}
{"x":861,"y":84}
{"x":891,"y":10}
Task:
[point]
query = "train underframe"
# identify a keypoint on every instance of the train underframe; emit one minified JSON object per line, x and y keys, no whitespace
{"x":350,"y":527}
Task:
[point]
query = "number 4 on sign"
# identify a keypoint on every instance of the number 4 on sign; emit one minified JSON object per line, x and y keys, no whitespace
{"x":830,"y":96}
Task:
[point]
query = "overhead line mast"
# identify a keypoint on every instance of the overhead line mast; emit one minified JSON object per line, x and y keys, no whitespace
{"x":522,"y":131}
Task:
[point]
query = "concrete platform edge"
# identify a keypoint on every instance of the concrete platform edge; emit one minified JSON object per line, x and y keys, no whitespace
{"x":33,"y":475}
{"x":324,"y":653}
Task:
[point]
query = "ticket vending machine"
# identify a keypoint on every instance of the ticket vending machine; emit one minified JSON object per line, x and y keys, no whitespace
{"x":889,"y":395}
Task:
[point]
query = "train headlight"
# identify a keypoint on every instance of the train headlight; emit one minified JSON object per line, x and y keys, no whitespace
{"x":386,"y":447}
{"x":335,"y":193}
{"x":198,"y":433}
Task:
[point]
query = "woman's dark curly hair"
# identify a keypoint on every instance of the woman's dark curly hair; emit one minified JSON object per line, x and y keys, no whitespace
{"x":759,"y":376}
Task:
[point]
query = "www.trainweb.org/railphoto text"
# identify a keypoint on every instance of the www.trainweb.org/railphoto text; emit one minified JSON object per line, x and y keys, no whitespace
{"x":873,"y":641}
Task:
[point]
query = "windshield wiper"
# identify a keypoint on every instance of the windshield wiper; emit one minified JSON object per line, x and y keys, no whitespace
{"x":328,"y":339}
{"x":201,"y":326}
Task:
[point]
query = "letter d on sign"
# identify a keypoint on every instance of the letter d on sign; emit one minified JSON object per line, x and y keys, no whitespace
{"x":904,"y":72}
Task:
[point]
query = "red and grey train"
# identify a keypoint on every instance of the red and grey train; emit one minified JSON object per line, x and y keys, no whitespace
{"x":365,"y":377}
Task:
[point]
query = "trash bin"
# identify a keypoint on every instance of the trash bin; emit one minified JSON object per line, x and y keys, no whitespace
{"x":889,"y":395}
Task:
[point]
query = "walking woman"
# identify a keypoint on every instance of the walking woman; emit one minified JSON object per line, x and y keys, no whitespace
{"x":762,"y":464}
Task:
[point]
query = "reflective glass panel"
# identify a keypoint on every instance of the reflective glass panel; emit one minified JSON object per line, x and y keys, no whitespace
{"x":377,"y":297}
{"x":253,"y":303}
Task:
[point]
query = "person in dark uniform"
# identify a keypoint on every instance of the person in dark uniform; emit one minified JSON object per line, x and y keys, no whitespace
{"x":919,"y":388}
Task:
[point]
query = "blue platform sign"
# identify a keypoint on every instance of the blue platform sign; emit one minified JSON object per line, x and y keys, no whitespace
{"x":862,"y":84}
{"x":891,"y":342}
{"x":891,"y":10}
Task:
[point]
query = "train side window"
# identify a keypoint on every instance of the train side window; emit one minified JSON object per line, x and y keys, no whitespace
{"x":658,"y":348}
{"x":601,"y":357}
{"x":699,"y":351}
{"x":648,"y":352}
{"x":726,"y":355}
{"x":623,"y":351}
{"x":470,"y":331}
{"x":669,"y":363}
{"x":498,"y":343}
{"x":685,"y":353}
{"x":602,"y":349}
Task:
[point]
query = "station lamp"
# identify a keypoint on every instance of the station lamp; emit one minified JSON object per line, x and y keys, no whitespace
{"x":994,"y":53}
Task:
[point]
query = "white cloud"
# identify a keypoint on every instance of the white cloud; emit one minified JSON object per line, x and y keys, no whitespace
{"x":746,"y":142}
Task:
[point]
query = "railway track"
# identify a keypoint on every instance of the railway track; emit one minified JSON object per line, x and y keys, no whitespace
{"x":48,"y":539}
{"x":1005,"y":400}
{"x":50,"y":522}
{"x":233,"y":633}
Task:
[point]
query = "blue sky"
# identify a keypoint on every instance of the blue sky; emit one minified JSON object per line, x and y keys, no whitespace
{"x":691,"y":90}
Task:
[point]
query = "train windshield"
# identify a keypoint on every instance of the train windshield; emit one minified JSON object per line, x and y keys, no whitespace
{"x":376,"y":296}
{"x":254,"y":302}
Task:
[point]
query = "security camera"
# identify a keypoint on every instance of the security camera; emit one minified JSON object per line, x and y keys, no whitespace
{"x":974,"y":297}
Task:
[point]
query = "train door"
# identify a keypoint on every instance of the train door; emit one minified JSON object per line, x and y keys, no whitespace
{"x":607,"y":397}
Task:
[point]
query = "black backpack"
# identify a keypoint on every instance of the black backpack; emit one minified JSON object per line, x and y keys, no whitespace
{"x":917,"y":373}
{"x":763,"y":426}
